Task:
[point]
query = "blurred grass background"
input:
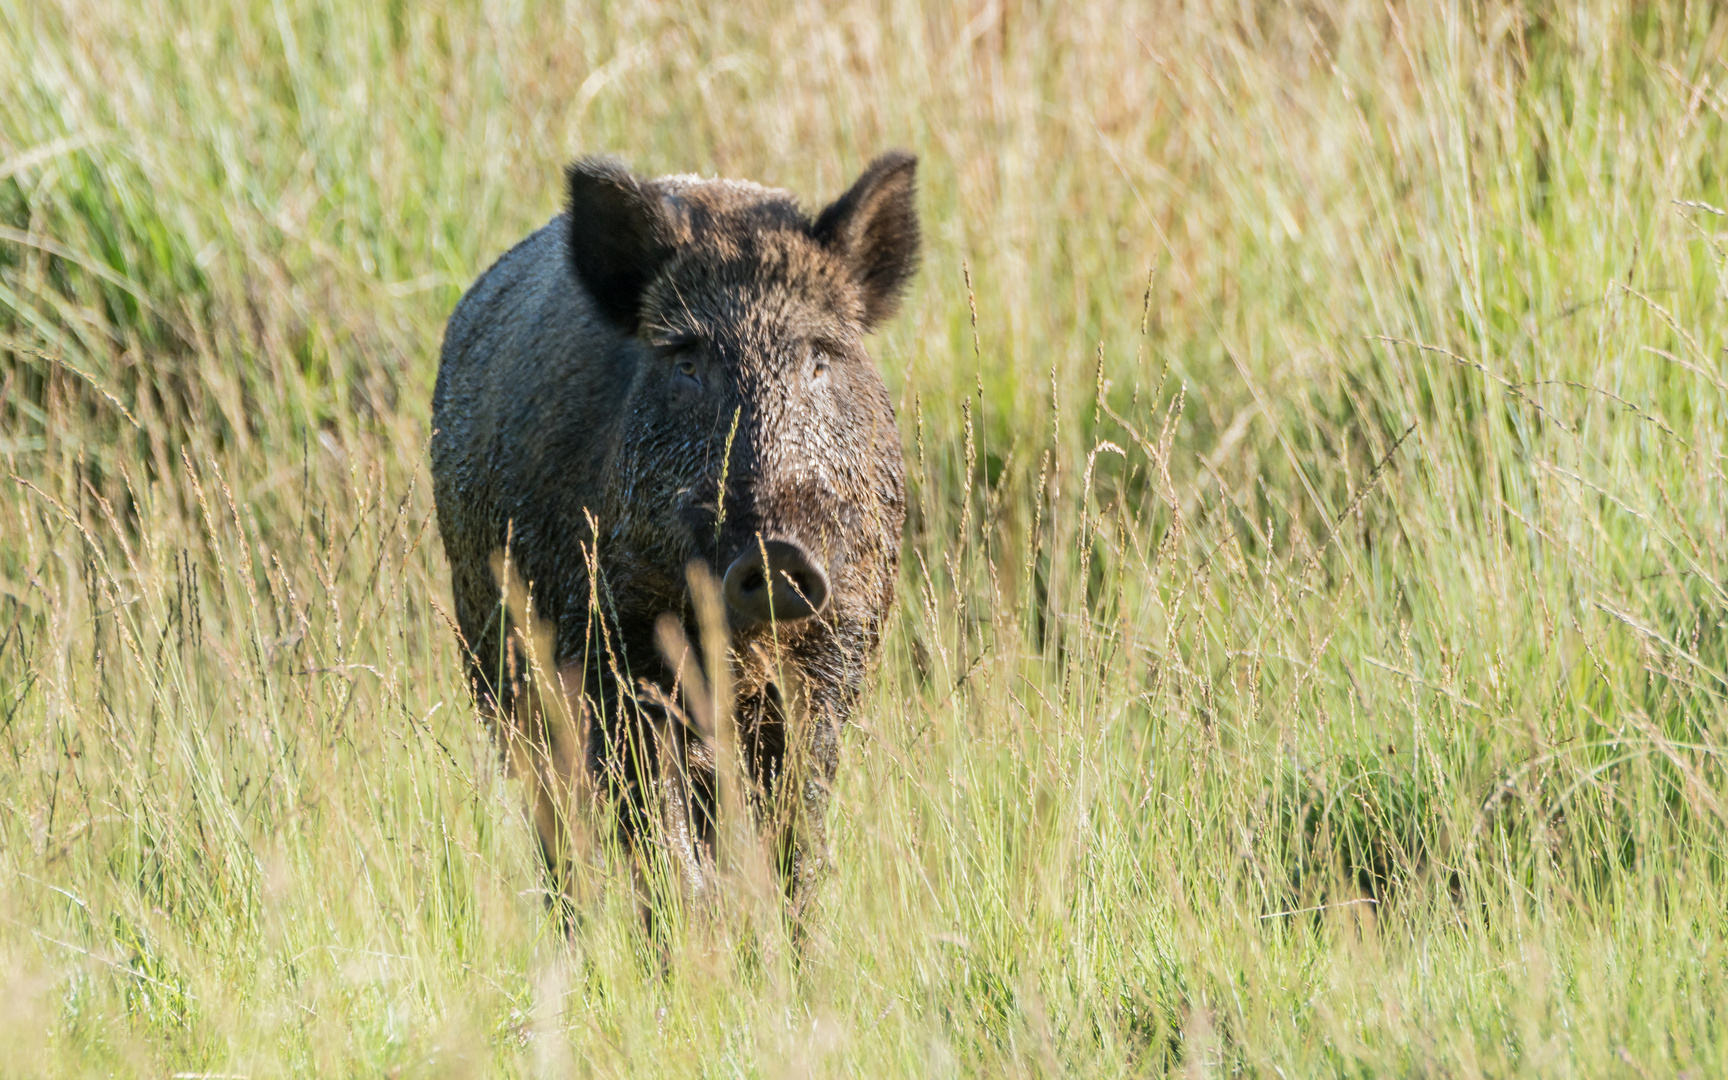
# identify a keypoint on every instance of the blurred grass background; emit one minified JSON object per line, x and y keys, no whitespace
{"x":1311,"y":656}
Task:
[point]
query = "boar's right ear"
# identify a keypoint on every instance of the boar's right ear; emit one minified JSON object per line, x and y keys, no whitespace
{"x":874,"y":228}
{"x":620,"y":234}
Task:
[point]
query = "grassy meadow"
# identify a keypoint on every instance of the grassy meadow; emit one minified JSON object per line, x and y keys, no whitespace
{"x":1312,"y":648}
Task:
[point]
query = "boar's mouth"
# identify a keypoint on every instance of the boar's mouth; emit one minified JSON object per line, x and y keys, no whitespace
{"x":774,"y":581}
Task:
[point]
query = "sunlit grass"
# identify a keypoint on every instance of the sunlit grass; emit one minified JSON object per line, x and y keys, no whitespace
{"x":1310,"y":656}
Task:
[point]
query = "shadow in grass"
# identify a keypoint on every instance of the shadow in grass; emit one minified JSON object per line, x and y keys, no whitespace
{"x":1363,"y":827}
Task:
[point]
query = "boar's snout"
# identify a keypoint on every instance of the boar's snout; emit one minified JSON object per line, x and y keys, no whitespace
{"x":774,"y":581}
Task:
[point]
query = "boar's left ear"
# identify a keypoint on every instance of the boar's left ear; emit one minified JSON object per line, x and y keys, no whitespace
{"x":874,"y":228}
{"x":620,"y":234}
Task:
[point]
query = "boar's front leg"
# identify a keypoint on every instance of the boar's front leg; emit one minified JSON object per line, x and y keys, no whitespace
{"x":806,"y":844}
{"x":791,"y":747}
{"x":542,"y":722}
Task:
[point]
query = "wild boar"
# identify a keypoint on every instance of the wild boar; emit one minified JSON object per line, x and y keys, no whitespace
{"x":673,"y":372}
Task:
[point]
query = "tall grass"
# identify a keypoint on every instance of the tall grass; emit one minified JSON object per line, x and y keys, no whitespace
{"x":1311,"y":653}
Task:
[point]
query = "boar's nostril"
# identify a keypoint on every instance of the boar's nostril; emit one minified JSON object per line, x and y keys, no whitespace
{"x":785,"y":586}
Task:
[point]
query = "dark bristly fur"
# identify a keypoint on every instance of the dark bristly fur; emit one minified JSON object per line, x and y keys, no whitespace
{"x":600,"y":371}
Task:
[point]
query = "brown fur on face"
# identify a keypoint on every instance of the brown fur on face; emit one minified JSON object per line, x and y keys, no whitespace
{"x":675,"y":373}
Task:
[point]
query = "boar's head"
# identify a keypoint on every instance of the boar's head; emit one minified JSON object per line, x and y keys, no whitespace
{"x":758,"y":438}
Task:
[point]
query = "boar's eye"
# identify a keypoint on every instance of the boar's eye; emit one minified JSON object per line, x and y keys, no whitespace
{"x":688,"y":377}
{"x":682,"y":354}
{"x":820,"y":357}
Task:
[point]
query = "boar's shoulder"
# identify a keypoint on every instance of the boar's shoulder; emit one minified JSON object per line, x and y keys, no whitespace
{"x":532,"y":385}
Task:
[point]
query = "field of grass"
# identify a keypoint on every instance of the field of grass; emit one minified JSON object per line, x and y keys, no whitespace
{"x":1312,"y":648}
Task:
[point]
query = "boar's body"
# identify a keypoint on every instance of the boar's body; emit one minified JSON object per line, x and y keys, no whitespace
{"x":532,"y":386}
{"x":673,"y":372}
